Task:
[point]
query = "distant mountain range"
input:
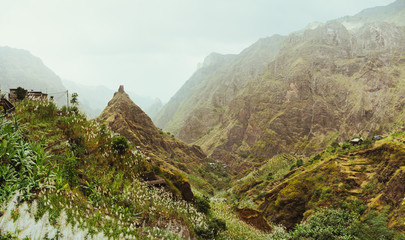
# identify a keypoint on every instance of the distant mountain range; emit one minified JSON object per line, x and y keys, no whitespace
{"x":296,"y":93}
{"x":19,"y":68}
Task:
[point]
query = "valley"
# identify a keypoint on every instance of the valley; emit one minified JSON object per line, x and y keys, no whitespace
{"x":296,"y":137}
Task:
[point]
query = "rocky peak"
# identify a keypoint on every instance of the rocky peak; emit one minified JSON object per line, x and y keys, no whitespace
{"x":121,"y":89}
{"x":123,"y":116}
{"x":126,"y":118}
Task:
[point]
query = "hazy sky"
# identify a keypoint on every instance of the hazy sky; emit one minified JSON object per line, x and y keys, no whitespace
{"x":151,"y":46}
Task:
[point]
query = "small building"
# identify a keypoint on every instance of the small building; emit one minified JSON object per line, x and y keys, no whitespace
{"x":32,"y":95}
{"x":356,"y":141}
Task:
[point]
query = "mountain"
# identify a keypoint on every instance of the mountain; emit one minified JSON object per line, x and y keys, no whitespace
{"x":124,"y":117}
{"x":219,"y":73}
{"x":154,"y":108}
{"x":393,"y":13}
{"x":19,"y":68}
{"x":93,"y":99}
{"x":293,"y":94}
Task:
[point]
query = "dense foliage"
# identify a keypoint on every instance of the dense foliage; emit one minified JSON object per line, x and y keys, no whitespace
{"x":342,"y":224}
{"x":24,"y":167}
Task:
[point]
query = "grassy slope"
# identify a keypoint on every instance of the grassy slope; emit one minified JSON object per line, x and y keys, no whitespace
{"x":84,"y":176}
{"x":86,"y":186}
{"x":359,"y":179}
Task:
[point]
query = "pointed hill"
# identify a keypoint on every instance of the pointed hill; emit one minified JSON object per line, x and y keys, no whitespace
{"x":124,"y":117}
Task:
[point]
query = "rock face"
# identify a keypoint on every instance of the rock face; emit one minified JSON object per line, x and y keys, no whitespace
{"x":254,"y":218}
{"x":293,"y":94}
{"x":126,"y":118}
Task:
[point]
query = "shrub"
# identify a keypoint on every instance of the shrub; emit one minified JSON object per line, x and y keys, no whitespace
{"x":343,"y":224}
{"x":70,"y":166}
{"x":74,"y":110}
{"x":368,"y":142}
{"x":214,"y":226}
{"x":292,"y":167}
{"x":346,"y":145}
{"x":244,"y":155}
{"x":335,"y":145}
{"x":327,"y":224}
{"x":299,"y":162}
{"x":120,"y":144}
{"x":21,"y":93}
{"x":202,"y":204}
{"x":374,"y":226}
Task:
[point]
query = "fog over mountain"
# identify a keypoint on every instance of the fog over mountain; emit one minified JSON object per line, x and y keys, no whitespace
{"x":152,"y":47}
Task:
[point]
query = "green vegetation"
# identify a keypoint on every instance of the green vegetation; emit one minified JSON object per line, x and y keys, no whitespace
{"x":342,"y":224}
{"x":79,"y":169}
{"x":74,"y":99}
{"x":120,"y":144}
{"x":24,"y":167}
{"x":252,"y":187}
{"x":202,"y":204}
{"x":75,"y":167}
{"x":21,"y":93}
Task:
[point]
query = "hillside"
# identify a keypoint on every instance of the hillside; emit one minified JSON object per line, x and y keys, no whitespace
{"x":19,"y":68}
{"x":66,"y":177}
{"x":300,"y":93}
{"x":361,"y":179}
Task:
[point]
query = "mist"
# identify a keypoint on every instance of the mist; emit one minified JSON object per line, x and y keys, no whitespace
{"x":151,"y":47}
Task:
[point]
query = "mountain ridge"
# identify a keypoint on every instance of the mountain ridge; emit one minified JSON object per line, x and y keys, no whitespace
{"x":300,"y":93}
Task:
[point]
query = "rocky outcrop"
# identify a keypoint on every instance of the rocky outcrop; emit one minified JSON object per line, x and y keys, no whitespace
{"x":126,"y":118}
{"x":254,"y":218}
